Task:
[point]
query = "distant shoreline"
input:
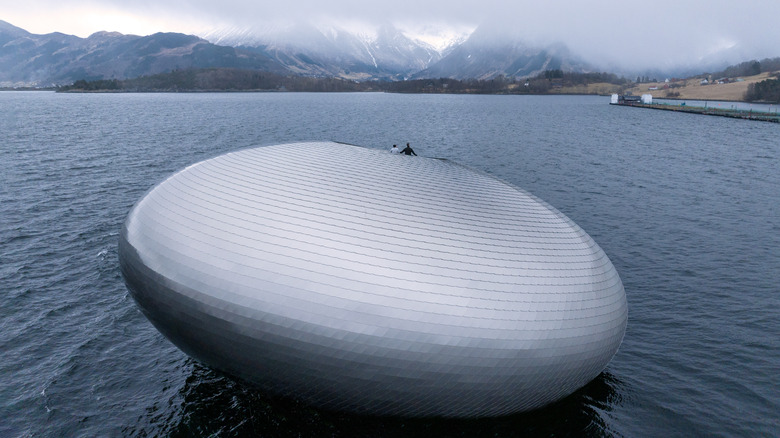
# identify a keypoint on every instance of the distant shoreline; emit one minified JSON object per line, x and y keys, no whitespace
{"x":603,"y":93}
{"x":51,"y":89}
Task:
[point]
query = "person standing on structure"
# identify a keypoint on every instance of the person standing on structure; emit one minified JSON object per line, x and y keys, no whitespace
{"x":408,"y":150}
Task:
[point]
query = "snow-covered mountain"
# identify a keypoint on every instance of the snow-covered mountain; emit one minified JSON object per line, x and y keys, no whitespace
{"x":390,"y":52}
{"x":486,"y":54}
{"x":385,"y":52}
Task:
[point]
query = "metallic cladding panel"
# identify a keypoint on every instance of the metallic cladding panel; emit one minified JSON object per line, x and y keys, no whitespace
{"x":359,"y":280}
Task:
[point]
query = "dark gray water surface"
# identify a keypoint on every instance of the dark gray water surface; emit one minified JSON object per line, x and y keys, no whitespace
{"x":686,"y":206}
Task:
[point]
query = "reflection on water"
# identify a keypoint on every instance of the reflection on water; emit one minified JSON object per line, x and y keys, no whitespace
{"x":211,"y":403}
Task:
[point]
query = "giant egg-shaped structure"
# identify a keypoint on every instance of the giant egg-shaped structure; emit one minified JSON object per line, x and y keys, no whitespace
{"x":358,"y":280}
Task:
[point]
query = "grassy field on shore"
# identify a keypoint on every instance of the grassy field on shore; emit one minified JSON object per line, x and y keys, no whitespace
{"x":692,"y":89}
{"x":601,"y":88}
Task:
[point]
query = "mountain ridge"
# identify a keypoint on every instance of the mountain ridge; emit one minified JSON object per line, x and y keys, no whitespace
{"x":53,"y":59}
{"x":384,"y":53}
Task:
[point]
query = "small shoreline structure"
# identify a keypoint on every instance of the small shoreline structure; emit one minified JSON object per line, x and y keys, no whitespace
{"x":646,"y":101}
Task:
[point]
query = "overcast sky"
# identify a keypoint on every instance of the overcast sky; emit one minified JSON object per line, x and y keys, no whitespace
{"x":638,"y":33}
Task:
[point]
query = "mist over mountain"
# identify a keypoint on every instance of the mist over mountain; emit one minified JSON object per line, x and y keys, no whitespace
{"x":304,"y":49}
{"x":382,"y":52}
{"x":488,"y":53}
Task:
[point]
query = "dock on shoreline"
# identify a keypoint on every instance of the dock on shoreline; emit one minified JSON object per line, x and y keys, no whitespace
{"x":707,"y":111}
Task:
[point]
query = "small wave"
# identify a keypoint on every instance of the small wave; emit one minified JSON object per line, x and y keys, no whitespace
{"x":45,"y":399}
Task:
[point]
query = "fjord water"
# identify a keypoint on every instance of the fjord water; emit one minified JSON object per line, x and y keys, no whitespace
{"x":686,"y":207}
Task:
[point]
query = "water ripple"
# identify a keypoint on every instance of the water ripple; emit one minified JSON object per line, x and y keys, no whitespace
{"x":686,"y":208}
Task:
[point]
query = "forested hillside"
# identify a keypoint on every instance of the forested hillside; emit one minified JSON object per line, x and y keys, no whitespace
{"x":764,"y":91}
{"x":219,"y":79}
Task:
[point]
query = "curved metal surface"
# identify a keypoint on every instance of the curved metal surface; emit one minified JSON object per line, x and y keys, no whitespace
{"x":359,"y":280}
